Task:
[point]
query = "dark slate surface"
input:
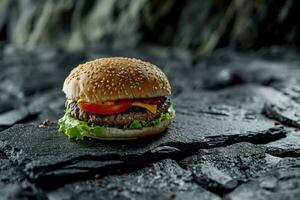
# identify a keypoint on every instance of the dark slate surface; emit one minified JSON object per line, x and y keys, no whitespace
{"x":49,"y":154}
{"x":237,"y":121}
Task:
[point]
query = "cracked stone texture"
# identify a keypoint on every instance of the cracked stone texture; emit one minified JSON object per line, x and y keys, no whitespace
{"x":222,"y":169}
{"x":279,"y":183}
{"x":161,"y":180}
{"x":286,"y":147}
{"x":237,"y":121}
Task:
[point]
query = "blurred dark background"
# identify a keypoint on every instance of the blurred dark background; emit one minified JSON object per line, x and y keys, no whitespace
{"x":199,"y":26}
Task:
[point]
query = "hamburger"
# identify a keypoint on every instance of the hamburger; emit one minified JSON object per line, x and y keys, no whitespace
{"x":116,"y":99}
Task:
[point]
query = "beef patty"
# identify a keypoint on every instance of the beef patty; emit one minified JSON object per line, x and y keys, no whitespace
{"x":119,"y":119}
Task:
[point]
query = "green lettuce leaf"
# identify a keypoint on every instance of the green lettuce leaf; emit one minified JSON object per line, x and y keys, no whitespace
{"x":163,"y":116}
{"x":135,"y":124}
{"x":74,"y":128}
{"x":77,"y":129}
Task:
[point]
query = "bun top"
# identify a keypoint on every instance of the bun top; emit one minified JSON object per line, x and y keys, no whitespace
{"x":115,"y":78}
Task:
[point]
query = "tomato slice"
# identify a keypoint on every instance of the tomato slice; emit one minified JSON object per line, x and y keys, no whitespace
{"x":113,"y":107}
{"x":117,"y":107}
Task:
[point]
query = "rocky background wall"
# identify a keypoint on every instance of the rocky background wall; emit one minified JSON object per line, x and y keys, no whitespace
{"x":201,"y":26}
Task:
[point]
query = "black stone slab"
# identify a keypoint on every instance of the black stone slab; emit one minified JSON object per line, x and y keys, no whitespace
{"x":222,"y":169}
{"x":50,"y":155}
{"x":280,"y":183}
{"x":204,"y":120}
{"x":161,"y":180}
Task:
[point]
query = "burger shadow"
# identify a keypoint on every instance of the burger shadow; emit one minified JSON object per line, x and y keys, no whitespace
{"x":122,"y":144}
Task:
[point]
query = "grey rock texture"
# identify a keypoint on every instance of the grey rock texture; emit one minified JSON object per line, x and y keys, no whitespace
{"x":285,"y":147}
{"x":233,"y":137}
{"x":161,"y":180}
{"x":24,"y":191}
{"x":222,"y":169}
{"x":285,"y":178}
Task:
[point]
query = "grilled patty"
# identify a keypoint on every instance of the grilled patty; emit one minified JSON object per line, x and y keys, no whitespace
{"x":119,"y":119}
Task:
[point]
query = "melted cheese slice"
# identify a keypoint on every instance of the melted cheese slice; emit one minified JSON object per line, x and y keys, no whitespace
{"x":151,"y":108}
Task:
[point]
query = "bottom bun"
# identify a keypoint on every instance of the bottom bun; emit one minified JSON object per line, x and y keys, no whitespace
{"x":131,"y":134}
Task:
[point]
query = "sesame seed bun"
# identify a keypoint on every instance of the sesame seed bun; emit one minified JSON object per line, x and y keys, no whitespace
{"x":130,"y":134}
{"x":115,"y":78}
